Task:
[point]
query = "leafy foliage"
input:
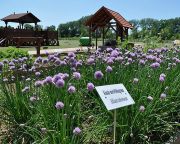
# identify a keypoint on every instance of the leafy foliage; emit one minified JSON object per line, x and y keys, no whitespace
{"x":12,"y":52}
{"x":163,"y":29}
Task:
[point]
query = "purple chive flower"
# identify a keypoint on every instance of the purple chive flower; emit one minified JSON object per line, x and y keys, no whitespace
{"x":90,"y":86}
{"x":110,"y":61}
{"x":33,"y":98}
{"x":26,"y":89}
{"x":50,"y":57}
{"x":161,"y":79}
{"x":109,"y":69}
{"x":59,"y":105}
{"x":142,"y":109}
{"x":63,"y":63}
{"x":158,"y":60}
{"x":77,"y":131}
{"x":150,"y":98}
{"x":130,"y":60}
{"x":73,"y":69}
{"x":78,"y":63}
{"x":177,"y":60}
{"x":38,"y":83}
{"x":71,"y":89}
{"x":5,"y":61}
{"x":90,"y":61}
{"x":28,"y":79}
{"x":5,"y":80}
{"x":109,"y":49}
{"x":142,"y":62}
{"x":1,"y":66}
{"x":65,"y":76}
{"x":60,"y":83}
{"x":58,"y":62}
{"x":43,"y":130}
{"x":37,"y":74}
{"x":45,"y":61}
{"x":11,"y":64}
{"x":132,"y":54}
{"x":71,"y":54}
{"x":48,"y":79}
{"x":98,"y":75}
{"x":77,"y":75}
{"x":155,"y":65}
{"x":114,"y":53}
{"x":119,"y":59}
{"x":56,"y":78}
{"x":162,"y":75}
{"x":135,"y":80}
{"x":163,"y":96}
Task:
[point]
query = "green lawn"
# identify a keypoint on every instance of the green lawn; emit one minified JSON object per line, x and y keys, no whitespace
{"x":62,"y":44}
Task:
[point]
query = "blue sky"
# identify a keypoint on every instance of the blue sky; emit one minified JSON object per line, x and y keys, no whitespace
{"x":54,"y":12}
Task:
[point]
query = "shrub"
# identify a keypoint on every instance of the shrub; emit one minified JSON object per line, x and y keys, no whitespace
{"x":12,"y":52}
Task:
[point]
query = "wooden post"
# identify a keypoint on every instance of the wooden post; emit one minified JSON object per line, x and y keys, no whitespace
{"x":117,"y":32}
{"x":121,"y":33}
{"x":22,"y":25}
{"x":6,"y":23}
{"x":90,"y":35}
{"x":103,"y":36}
{"x":57,"y":35}
{"x":96,"y":39}
{"x":38,"y":50}
{"x":126,"y":32}
{"x":114,"y":133}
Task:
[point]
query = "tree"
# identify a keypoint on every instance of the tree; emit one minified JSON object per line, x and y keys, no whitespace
{"x":51,"y":28}
{"x":28,"y":26}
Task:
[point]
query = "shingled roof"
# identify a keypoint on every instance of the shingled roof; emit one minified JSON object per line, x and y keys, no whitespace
{"x":105,"y":15}
{"x":21,"y":18}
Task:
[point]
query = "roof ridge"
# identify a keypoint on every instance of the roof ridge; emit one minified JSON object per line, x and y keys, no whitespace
{"x":112,"y":14}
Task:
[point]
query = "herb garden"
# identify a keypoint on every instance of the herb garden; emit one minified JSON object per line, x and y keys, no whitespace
{"x":53,"y":100}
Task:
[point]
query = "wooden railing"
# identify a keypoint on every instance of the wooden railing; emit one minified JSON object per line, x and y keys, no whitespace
{"x":49,"y":37}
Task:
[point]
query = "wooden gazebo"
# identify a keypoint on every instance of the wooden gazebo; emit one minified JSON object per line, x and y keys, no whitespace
{"x":102,"y":19}
{"x":21,"y":18}
{"x":26,"y":37}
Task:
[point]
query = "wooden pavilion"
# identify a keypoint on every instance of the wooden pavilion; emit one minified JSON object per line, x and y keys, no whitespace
{"x":102,"y":19}
{"x":21,"y":18}
{"x":26,"y":37}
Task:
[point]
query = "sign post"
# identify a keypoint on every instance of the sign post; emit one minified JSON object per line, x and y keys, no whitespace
{"x":114,"y":96}
{"x":114,"y":138}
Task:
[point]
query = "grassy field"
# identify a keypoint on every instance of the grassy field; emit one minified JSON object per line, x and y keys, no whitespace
{"x":62,"y":44}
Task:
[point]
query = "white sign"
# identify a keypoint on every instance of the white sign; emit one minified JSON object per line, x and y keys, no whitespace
{"x":114,"y":96}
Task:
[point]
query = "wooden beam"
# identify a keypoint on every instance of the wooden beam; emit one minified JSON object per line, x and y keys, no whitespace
{"x":107,"y":29}
{"x":113,"y":28}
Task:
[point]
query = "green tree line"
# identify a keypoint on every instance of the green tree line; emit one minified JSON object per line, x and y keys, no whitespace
{"x":165,"y":29}
{"x":74,"y":28}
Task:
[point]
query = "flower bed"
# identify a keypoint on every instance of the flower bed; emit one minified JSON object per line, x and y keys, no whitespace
{"x":52,"y":100}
